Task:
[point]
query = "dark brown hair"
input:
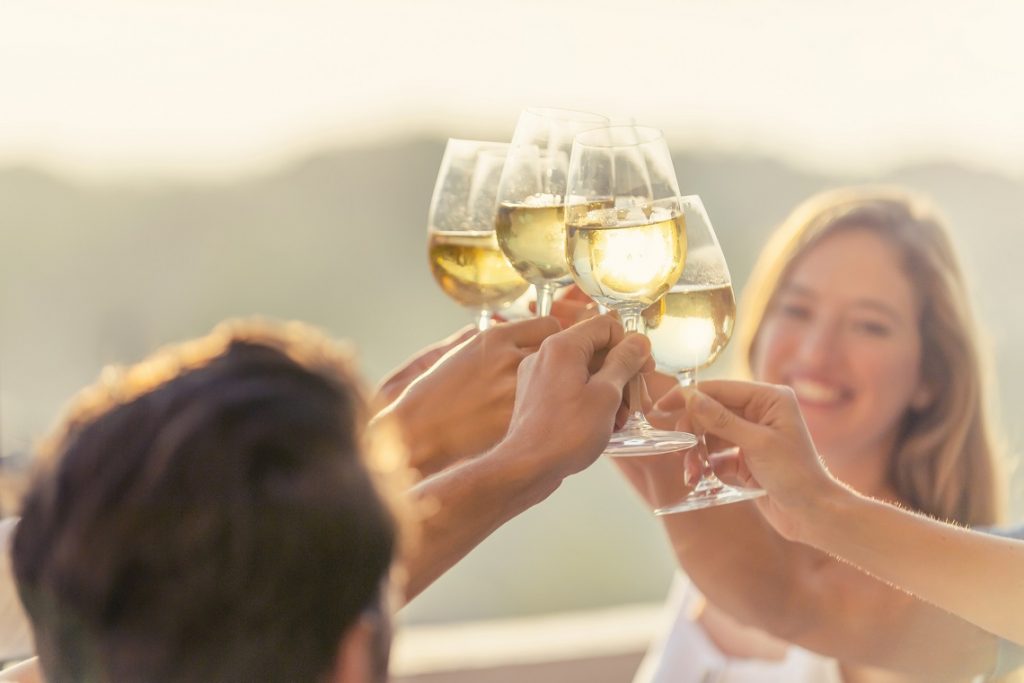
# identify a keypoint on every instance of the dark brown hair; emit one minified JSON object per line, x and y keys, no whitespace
{"x":207,"y":515}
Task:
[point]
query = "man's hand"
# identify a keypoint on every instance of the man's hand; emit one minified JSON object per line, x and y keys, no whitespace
{"x":565,"y":404}
{"x":461,"y":406}
{"x":570,"y":391}
{"x":392,"y":386}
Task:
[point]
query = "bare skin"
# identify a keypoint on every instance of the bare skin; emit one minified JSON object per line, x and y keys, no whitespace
{"x":573,"y":385}
{"x":974,"y":575}
{"x":454,"y":399}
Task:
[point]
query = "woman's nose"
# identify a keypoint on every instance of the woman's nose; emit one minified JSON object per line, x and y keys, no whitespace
{"x":820,"y":345}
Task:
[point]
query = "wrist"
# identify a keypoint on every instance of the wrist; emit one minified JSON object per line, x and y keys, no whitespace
{"x":420,"y":433}
{"x":826,"y":512}
{"x":523,"y":466}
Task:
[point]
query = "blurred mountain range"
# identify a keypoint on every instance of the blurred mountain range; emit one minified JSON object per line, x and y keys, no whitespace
{"x":97,"y":273}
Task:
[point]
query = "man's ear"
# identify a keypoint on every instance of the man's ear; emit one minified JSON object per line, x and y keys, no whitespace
{"x":354,"y":663}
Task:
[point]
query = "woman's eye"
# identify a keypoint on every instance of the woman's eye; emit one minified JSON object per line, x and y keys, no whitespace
{"x":872,"y":327}
{"x":795,"y":311}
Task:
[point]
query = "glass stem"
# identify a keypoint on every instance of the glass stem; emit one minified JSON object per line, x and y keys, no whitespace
{"x":545,"y":295}
{"x":708,"y":481}
{"x":633,"y":322}
{"x":483,"y":319}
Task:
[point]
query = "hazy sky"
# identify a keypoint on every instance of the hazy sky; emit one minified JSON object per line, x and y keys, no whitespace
{"x":222,"y":86}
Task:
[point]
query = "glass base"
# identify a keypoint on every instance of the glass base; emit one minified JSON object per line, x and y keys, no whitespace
{"x":699,"y":498}
{"x":648,"y":441}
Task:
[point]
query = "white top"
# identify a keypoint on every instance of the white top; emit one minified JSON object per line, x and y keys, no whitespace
{"x":685,"y":654}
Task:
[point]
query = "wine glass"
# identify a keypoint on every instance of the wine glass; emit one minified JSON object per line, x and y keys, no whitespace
{"x":530,"y":221}
{"x":626,"y":246}
{"x":464,"y":255}
{"x":688,"y":328}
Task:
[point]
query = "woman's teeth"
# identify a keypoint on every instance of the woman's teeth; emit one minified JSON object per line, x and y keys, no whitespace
{"x":816,"y":392}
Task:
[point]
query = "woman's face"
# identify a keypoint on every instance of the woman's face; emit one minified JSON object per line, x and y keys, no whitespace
{"x":843,"y":333}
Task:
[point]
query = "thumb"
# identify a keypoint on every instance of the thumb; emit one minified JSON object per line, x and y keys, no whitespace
{"x":625,"y":360}
{"x":718,"y":420}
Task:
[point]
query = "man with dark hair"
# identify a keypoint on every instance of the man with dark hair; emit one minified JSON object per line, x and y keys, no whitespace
{"x":215,"y":513}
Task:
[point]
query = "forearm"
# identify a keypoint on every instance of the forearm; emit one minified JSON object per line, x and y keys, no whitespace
{"x":464,"y":504}
{"x":844,"y":612}
{"x":976,"y":576}
{"x":798,"y":594}
{"x":733,"y":555}
{"x":740,"y":564}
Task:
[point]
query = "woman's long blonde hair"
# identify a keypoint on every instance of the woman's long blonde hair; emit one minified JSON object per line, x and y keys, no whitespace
{"x":945,"y":460}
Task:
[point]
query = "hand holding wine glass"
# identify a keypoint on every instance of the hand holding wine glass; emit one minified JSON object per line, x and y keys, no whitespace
{"x":626,"y":245}
{"x":460,"y":406}
{"x":688,"y":328}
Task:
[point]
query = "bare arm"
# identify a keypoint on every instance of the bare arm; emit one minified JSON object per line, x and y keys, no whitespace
{"x":977,"y":576}
{"x":571,"y":388}
{"x":466,"y":503}
{"x":865,"y":621}
{"x":803,"y":596}
{"x":800,"y":594}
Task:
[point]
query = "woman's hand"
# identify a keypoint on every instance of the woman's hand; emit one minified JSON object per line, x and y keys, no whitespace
{"x":775,"y":451}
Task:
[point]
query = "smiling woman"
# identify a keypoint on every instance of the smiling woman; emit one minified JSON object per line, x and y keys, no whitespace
{"x":859,"y":305}
{"x":842,"y":333}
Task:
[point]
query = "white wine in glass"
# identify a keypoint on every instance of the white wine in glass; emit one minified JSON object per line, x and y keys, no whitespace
{"x":626,"y":244}
{"x":624,"y":258}
{"x":688,"y":328}
{"x":530,"y":222}
{"x":463,"y":249}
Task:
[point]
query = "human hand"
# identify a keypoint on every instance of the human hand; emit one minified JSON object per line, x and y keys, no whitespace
{"x":575,"y":306}
{"x":664,"y":479}
{"x":570,"y":391}
{"x":775,"y":451}
{"x":462,"y":405}
{"x":392,"y":386}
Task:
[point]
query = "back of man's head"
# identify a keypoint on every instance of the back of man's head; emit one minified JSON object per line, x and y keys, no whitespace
{"x":207,"y":515}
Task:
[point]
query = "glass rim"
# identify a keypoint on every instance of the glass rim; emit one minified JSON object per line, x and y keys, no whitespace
{"x":650,"y":135}
{"x":565,"y":114}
